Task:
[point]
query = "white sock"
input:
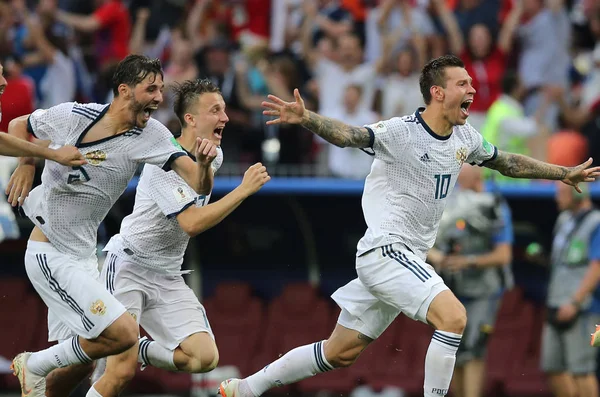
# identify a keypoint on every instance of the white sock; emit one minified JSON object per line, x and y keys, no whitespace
{"x":297,"y":364}
{"x":439,"y":363}
{"x":93,"y":393}
{"x":61,"y":355}
{"x":152,"y":353}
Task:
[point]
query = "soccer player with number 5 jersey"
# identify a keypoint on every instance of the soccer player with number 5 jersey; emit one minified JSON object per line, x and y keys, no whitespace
{"x":67,"y":208}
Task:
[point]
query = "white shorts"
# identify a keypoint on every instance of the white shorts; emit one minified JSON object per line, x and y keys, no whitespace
{"x":391,"y":279}
{"x":78,"y":304}
{"x":161,"y":303}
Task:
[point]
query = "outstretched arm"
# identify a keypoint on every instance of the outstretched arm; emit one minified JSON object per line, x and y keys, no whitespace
{"x":196,"y":220}
{"x":333,"y":131}
{"x":520,"y":166}
{"x":14,"y":144}
{"x":14,"y":147}
{"x":336,"y":132}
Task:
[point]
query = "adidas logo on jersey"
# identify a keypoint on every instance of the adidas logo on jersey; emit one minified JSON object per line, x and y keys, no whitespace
{"x":425,"y":158}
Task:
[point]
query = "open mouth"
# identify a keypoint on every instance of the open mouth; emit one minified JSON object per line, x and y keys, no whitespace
{"x":148,"y":110}
{"x":464,"y":107}
{"x":218,"y":132}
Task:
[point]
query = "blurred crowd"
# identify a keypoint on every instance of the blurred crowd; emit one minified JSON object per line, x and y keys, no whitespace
{"x":535,"y":65}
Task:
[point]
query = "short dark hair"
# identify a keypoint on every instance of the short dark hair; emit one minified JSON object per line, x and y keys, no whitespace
{"x":434,"y":73}
{"x":188,"y":92}
{"x":133,"y":69}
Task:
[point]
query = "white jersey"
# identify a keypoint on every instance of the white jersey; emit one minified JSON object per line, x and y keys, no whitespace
{"x":413,"y":173}
{"x":71,"y":202}
{"x":151,"y":236}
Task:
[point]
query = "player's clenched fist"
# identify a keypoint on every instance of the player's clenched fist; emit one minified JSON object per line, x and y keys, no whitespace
{"x":69,"y":156}
{"x":206,"y":152}
{"x":255,"y":177}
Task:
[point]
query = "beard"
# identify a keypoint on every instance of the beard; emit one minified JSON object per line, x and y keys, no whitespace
{"x":137,"y":109}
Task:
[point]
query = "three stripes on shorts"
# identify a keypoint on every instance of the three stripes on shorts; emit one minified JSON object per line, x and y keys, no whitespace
{"x":110,"y":274}
{"x":409,"y":264}
{"x":43,"y":264}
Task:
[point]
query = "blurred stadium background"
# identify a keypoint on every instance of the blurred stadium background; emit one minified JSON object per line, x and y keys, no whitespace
{"x":266,"y":272}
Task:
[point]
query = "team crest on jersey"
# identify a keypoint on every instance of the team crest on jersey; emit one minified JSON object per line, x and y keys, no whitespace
{"x":95,"y":157}
{"x":379,"y":127}
{"x":461,"y":155}
{"x":98,"y":307}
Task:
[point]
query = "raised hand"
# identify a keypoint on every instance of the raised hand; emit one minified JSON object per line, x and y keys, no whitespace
{"x":581,"y":173}
{"x":254,"y":178}
{"x":206,"y":152}
{"x":285,"y":112}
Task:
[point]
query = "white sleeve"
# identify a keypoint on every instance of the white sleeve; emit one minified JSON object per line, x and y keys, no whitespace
{"x":170,"y":193}
{"x":389,"y":138}
{"x":158,"y":147}
{"x":480,"y":150}
{"x":51,"y":124}
{"x":218,"y":161}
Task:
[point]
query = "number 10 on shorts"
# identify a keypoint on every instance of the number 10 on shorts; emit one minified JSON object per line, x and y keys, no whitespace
{"x":442,"y":183}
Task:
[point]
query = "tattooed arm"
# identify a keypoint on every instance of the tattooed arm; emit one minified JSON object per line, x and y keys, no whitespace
{"x":519,"y":166}
{"x":336,"y":132}
{"x":331,"y":130}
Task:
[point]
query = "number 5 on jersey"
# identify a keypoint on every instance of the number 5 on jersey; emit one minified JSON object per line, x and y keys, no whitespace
{"x":442,"y":183}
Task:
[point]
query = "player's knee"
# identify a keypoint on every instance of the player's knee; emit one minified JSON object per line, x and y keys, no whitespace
{"x":127,"y":334}
{"x":130,"y":337}
{"x":205,"y":361}
{"x":211,"y":361}
{"x":454,"y":320}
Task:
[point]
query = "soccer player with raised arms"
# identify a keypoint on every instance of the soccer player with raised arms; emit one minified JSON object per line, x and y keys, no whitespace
{"x":417,"y":160}
{"x":143,"y":265}
{"x":71,"y":202}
